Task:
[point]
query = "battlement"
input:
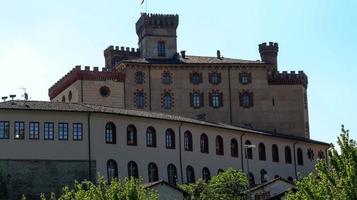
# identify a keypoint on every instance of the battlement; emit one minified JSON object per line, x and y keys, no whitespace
{"x":285,"y":78}
{"x":77,"y":73}
{"x":123,"y":50}
{"x":157,"y":21}
{"x":268,"y":46}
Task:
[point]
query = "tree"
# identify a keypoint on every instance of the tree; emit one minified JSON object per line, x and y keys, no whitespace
{"x":336,"y":179}
{"x":126,"y":189}
{"x":228,"y":185}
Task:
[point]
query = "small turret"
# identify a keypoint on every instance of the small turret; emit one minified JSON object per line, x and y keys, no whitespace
{"x":269,"y":53}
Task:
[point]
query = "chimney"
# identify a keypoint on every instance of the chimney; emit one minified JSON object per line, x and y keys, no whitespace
{"x":183,"y":54}
{"x":218,"y":54}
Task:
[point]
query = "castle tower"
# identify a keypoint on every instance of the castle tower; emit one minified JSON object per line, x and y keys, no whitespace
{"x":269,"y":53}
{"x":157,"y":35}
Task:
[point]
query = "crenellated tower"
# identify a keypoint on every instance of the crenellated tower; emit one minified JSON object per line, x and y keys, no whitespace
{"x":269,"y":53}
{"x":157,"y":35}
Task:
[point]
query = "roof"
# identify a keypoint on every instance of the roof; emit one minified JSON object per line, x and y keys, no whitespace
{"x":79,"y":107}
{"x":191,"y":60}
{"x":153,"y":184}
{"x":271,"y":182}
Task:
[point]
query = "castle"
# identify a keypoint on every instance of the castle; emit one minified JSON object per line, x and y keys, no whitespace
{"x":154,"y":112}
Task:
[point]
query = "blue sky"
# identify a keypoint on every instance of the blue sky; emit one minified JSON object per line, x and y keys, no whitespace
{"x":41,"y":40}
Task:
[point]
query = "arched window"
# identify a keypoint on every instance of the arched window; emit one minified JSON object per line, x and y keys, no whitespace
{"x":261,"y":149}
{"x":112,"y":170}
{"x":287,"y":155}
{"x":150,"y":137}
{"x":133,"y":169}
{"x":170,"y":139}
{"x":248,"y":151}
{"x":204,"y":143}
{"x":251,"y":180}
{"x":206,"y":175}
{"x":275,"y":153}
{"x":219,"y":145}
{"x":153,"y":172}
{"x":290,"y":179}
{"x":263,"y":176}
{"x":172,"y":174}
{"x":139,"y":99}
{"x":167,"y":100}
{"x":190,"y":173}
{"x":131,"y":135}
{"x":110,"y":133}
{"x":300,"y":159}
{"x":234,"y":148}
{"x":188,"y":141}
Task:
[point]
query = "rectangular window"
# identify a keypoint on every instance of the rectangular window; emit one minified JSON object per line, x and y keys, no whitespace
{"x":34,"y":130}
{"x":63,"y":131}
{"x":161,"y":49}
{"x":77,"y":131}
{"x":19,"y":130}
{"x":4,"y":130}
{"x":49,"y":131}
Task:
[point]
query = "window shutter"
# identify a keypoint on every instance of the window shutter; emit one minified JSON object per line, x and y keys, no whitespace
{"x":210,"y":99}
{"x":190,"y":77}
{"x":221,"y":99}
{"x":191,"y":99}
{"x":202,"y":100}
{"x":251,"y":99}
{"x":241,"y":99}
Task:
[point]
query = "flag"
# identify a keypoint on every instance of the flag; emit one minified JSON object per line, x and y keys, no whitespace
{"x":142,"y":2}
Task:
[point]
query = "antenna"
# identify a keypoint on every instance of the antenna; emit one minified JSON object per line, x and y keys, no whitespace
{"x":4,"y":98}
{"x":25,"y":95}
{"x":12,"y":96}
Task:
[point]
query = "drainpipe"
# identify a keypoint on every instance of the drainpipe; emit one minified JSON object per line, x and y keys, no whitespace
{"x":180,"y":151}
{"x":241,"y":148}
{"x":296,"y":177}
{"x":89,"y":149}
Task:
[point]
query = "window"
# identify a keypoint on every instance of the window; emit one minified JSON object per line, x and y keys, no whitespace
{"x":20,"y":130}
{"x":4,"y":130}
{"x":196,"y":78}
{"x":139,"y":77}
{"x":133,"y":170}
{"x":190,"y":173}
{"x":263,"y":176}
{"x":161,"y":51}
{"x":245,"y":78}
{"x":170,"y":139}
{"x":246,"y":99}
{"x":188,"y":141}
{"x":112,"y":170}
{"x":70,"y":96}
{"x":214,"y":78}
{"x":234,"y":148}
{"x":77,"y":131}
{"x":167,"y":100}
{"x":110,"y":133}
{"x":251,"y":180}
{"x":104,"y":91}
{"x":206,"y":176}
{"x":34,"y":130}
{"x":215,"y":99}
{"x":310,"y":154}
{"x":300,"y":159}
{"x":290,"y":179}
{"x":63,"y":99}
{"x":49,"y":131}
{"x":139,"y":99}
{"x":131,"y":135}
{"x":261,"y":149}
{"x":166,"y":78}
{"x":115,"y":61}
{"x":172,"y":174}
{"x":153,"y":172}
{"x":204,"y":143}
{"x":63,"y":131}
{"x":196,"y":99}
{"x":150,"y":137}
{"x":248,"y":151}
{"x":321,"y":154}
{"x":288,"y":155}
{"x":219,"y":145}
{"x":275,"y":153}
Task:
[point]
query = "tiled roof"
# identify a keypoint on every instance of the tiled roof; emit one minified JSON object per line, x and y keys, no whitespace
{"x":191,"y":60}
{"x":78,"y":107}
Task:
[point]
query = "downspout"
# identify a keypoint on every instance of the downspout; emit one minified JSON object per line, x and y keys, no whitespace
{"x":241,"y":150}
{"x":89,"y":150}
{"x":295,"y":159}
{"x":150,"y":88}
{"x":230,"y":95}
{"x":180,"y":152}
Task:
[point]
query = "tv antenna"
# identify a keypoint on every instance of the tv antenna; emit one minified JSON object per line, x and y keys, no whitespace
{"x":4,"y":98}
{"x":25,"y":94}
{"x":12,"y":96}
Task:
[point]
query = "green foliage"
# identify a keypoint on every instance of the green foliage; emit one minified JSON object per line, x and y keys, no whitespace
{"x":127,"y":189}
{"x":228,"y":185}
{"x":336,"y":180}
{"x":3,"y":186}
